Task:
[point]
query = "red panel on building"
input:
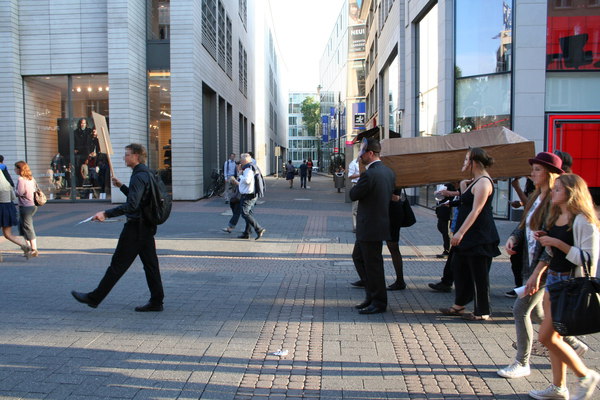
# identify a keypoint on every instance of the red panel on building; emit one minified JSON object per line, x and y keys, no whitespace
{"x":578,"y":135}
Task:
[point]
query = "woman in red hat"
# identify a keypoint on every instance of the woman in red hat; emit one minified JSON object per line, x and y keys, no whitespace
{"x":545,"y":169}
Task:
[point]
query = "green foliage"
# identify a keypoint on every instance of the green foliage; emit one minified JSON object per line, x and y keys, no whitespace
{"x":311,"y":114}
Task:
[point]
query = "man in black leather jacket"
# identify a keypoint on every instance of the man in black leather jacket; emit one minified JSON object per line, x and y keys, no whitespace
{"x":137,"y":236}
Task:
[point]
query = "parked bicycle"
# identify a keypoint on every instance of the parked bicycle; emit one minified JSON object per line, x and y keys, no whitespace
{"x":217,"y":186}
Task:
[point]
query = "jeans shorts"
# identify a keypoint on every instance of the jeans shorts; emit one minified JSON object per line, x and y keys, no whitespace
{"x":554,"y":277}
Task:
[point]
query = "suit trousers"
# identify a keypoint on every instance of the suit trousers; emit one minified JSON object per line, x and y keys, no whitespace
{"x":472,"y":281}
{"x":368,"y":262}
{"x":136,"y":239}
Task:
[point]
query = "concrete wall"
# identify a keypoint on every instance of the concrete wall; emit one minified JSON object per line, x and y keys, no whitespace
{"x":529,"y":74}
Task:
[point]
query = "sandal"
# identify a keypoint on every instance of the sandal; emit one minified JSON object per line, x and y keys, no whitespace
{"x":473,"y":317}
{"x":452,"y":311}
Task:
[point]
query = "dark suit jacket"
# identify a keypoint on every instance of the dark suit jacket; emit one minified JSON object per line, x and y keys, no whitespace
{"x":373,"y":192}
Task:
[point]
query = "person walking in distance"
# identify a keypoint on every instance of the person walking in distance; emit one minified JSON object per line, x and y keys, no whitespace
{"x":248,"y":197}
{"x":373,"y":193}
{"x":310,"y":166}
{"x":24,"y":190}
{"x":303,"y":174}
{"x":137,"y":236}
{"x":229,"y":170}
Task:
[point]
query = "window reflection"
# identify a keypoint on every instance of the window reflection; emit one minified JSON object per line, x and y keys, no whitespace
{"x":573,"y":35}
{"x":159,"y":19}
{"x":483,"y":37}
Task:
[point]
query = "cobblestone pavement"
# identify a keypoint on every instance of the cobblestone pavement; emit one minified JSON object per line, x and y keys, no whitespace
{"x":231,"y":303}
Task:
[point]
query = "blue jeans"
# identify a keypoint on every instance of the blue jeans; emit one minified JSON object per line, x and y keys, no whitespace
{"x":236,"y":209}
{"x":551,"y":278}
{"x":248,"y":202}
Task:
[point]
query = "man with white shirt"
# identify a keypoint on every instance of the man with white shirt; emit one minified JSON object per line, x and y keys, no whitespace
{"x":354,"y":175}
{"x":248,"y":199}
{"x":229,"y":170}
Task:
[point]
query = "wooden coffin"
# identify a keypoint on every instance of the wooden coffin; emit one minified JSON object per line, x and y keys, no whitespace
{"x":439,"y":159}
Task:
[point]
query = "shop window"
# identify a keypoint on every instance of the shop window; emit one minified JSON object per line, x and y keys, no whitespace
{"x":159,"y":117}
{"x":63,"y":148}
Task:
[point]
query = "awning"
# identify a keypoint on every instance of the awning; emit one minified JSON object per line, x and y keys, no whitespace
{"x":370,"y":133}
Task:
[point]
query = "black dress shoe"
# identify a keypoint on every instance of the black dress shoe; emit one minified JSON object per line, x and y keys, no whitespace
{"x":244,"y":236}
{"x":260,"y":233}
{"x":362,"y":305}
{"x":440,"y":287}
{"x":372,"y":309}
{"x":149,"y":307}
{"x":397,"y":286}
{"x":358,"y":283}
{"x":84,"y":298}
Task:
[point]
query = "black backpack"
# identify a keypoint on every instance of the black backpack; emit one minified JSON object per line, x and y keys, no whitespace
{"x":259,"y":182}
{"x":159,"y":208}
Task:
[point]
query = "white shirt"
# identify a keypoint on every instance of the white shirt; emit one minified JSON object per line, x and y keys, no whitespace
{"x":353,"y":169}
{"x":247,"y":181}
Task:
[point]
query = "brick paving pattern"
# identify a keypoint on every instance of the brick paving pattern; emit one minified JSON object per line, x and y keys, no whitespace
{"x":231,"y":304}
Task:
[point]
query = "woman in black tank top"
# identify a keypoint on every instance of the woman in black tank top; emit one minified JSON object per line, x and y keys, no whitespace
{"x":475,"y":241}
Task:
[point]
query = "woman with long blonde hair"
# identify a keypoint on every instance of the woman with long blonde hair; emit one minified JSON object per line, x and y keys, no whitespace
{"x":545,"y":169}
{"x":24,"y":190}
{"x":571,"y":237}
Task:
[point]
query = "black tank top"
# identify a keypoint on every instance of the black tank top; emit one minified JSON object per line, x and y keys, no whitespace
{"x":482,"y":237}
{"x":559,"y":262}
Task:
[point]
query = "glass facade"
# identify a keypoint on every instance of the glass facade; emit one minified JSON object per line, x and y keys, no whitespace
{"x":483,"y":64}
{"x":427,"y":81}
{"x":573,"y":35}
{"x":159,"y":19}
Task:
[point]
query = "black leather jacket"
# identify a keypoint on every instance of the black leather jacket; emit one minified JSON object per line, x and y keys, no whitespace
{"x":138,"y":195}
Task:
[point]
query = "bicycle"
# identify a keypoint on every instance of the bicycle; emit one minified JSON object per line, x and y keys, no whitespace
{"x":217,"y":186}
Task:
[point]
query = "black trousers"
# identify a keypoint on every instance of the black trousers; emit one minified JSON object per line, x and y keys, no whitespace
{"x":448,"y":275}
{"x":442,"y":226}
{"x":472,"y":281}
{"x":368,"y":262}
{"x":136,"y":239}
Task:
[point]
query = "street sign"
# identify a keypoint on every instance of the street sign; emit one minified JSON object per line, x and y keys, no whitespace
{"x":336,"y":150}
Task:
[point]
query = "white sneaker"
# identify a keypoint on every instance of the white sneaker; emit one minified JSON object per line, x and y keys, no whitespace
{"x":514,"y":370}
{"x":581,"y":349}
{"x":551,"y":392}
{"x":586,"y":386}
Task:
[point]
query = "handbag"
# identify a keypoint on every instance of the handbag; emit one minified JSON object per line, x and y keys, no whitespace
{"x":408,"y":216}
{"x":39,"y":198}
{"x":575,"y":303}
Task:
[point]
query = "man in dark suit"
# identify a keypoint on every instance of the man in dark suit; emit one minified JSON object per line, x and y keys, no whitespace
{"x":373,"y":193}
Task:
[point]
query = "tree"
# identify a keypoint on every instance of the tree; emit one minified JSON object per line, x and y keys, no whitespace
{"x":311,"y":114}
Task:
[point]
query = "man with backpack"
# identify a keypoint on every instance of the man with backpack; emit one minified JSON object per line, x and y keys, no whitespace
{"x":250,"y":193}
{"x":137,"y":236}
